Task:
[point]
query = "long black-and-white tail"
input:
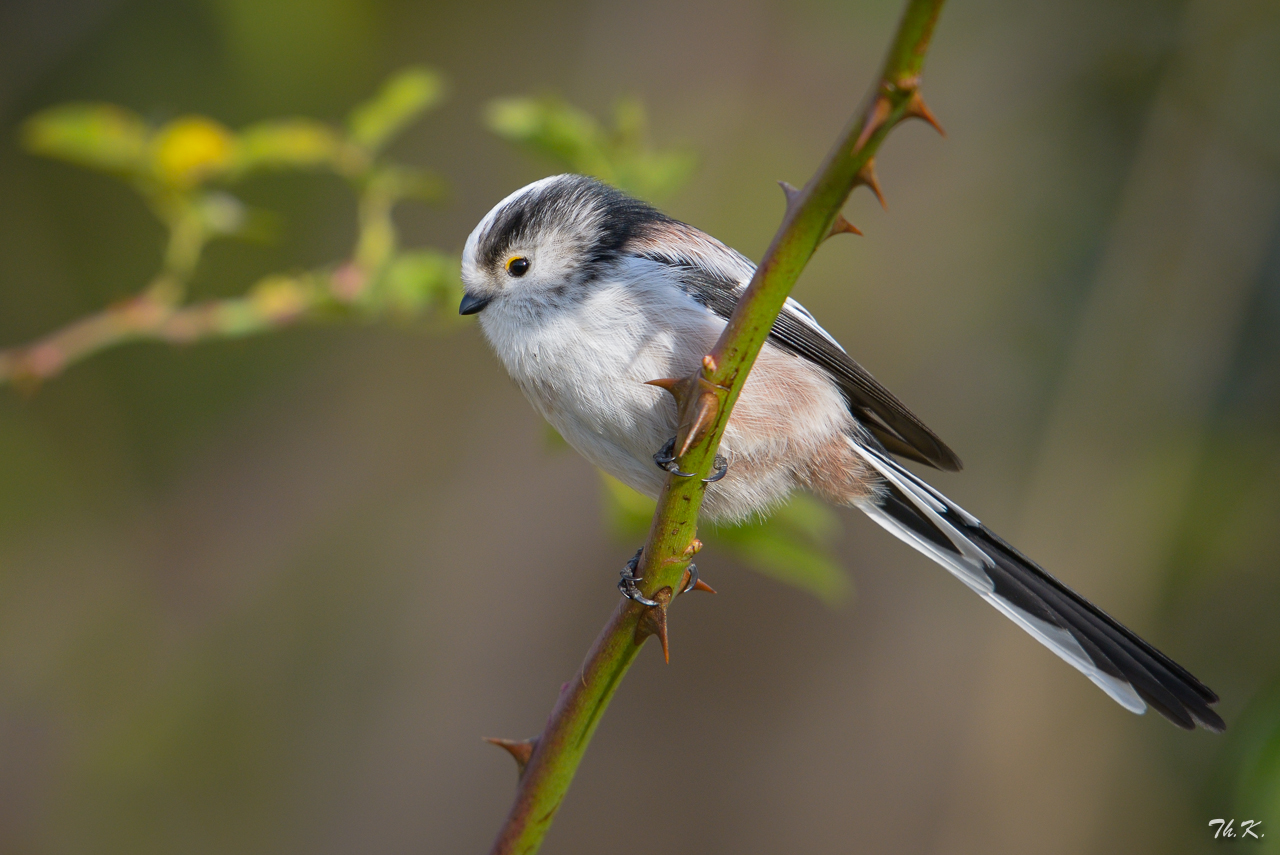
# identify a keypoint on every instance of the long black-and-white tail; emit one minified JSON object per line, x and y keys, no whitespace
{"x":1124,"y":666}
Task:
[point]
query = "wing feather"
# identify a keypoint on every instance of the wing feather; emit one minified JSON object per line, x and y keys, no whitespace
{"x":716,"y":276}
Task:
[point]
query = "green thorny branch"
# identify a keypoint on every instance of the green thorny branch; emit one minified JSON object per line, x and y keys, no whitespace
{"x":705,"y":399}
{"x":181,"y":170}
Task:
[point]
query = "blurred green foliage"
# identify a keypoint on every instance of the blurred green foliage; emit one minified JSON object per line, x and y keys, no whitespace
{"x":1256,"y":762}
{"x":404,"y":97}
{"x":619,"y":155}
{"x":191,"y":150}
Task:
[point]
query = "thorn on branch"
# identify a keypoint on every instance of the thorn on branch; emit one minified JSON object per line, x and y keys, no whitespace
{"x":842,"y":226}
{"x":792,"y":193}
{"x":520,"y":749}
{"x":671,"y":384}
{"x":697,"y":403}
{"x":654,"y":622}
{"x":698,"y":584}
{"x":867,"y":176}
{"x":879,"y":115}
{"x":704,"y":414}
{"x":916,"y":109}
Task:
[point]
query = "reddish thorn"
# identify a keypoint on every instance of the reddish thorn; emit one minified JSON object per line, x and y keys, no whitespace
{"x":705,"y":415}
{"x":664,"y":383}
{"x":662,"y":636}
{"x":867,"y":176}
{"x":709,"y":363}
{"x":698,"y":584}
{"x":879,"y":113}
{"x":654,"y":621}
{"x":520,"y":749}
{"x":916,"y":108}
{"x":842,"y":226}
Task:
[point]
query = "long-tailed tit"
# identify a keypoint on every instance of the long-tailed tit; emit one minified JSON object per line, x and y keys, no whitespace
{"x":586,"y":294}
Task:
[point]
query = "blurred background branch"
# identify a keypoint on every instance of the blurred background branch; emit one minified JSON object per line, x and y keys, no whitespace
{"x":181,"y":168}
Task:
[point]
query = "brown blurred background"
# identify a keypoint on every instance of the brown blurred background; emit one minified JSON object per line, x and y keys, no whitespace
{"x":267,"y":595}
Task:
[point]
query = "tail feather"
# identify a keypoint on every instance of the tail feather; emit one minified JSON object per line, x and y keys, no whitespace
{"x":1123,"y":665}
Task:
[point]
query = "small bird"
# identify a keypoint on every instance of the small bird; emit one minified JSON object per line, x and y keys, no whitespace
{"x":586,"y":294}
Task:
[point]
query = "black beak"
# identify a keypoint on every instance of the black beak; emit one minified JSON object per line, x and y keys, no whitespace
{"x":472,"y":304}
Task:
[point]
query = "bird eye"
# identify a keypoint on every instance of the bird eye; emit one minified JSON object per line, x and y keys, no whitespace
{"x":518,"y":266}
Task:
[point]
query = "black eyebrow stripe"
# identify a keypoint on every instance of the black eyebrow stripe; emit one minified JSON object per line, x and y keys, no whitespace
{"x":613,"y":217}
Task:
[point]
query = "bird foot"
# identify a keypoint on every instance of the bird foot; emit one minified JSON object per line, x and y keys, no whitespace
{"x":666,"y":460}
{"x":627,"y":584}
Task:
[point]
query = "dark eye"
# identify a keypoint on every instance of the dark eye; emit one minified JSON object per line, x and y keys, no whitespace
{"x":518,"y":266}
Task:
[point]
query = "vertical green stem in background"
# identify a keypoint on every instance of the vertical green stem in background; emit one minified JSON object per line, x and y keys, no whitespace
{"x":706,"y":400}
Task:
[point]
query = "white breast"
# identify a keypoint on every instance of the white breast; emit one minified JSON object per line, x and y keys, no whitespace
{"x":584,"y":368}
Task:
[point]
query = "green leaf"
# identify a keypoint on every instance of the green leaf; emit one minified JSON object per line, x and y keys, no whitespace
{"x":794,"y":545}
{"x":404,"y":182}
{"x":402,"y":99}
{"x":99,"y":136}
{"x":286,"y":143}
{"x":575,"y":140}
{"x":551,"y":127}
{"x":639,"y":170}
{"x":656,"y":176}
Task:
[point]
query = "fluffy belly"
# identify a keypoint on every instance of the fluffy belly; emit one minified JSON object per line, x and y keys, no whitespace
{"x":618,"y":432}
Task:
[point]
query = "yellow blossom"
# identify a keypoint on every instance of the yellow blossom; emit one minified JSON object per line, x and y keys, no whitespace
{"x":190,"y":149}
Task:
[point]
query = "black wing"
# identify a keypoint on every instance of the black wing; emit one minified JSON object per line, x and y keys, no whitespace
{"x":898,"y":429}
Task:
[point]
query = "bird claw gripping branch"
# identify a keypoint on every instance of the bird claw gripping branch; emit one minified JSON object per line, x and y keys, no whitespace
{"x":627,"y":584}
{"x":666,"y":459}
